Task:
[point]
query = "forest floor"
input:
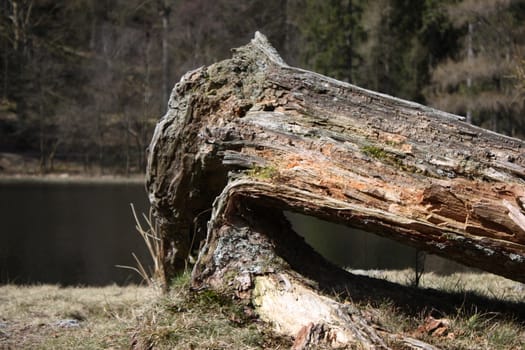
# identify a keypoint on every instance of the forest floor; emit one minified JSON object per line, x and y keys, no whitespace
{"x":52,"y":317}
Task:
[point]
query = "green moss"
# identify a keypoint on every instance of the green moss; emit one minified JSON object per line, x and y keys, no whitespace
{"x":265,"y":173}
{"x":375,"y":152}
{"x":211,"y":298}
{"x":384,"y":156}
{"x":182,"y":280}
{"x":389,"y":158}
{"x":393,"y":143}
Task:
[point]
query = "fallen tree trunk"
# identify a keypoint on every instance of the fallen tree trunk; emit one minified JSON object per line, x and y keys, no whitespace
{"x":249,"y":137}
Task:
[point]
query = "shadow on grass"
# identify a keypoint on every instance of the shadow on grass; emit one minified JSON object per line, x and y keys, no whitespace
{"x":409,"y":300}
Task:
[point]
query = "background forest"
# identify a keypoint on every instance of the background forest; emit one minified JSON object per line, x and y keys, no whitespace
{"x":85,"y":81}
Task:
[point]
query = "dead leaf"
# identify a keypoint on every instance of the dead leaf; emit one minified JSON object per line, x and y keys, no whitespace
{"x":435,"y":327}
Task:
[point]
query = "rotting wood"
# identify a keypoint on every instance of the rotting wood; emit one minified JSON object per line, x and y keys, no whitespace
{"x":251,"y":137}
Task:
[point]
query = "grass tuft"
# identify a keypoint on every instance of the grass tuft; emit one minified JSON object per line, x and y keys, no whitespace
{"x":185,"y":319}
{"x":151,"y":236}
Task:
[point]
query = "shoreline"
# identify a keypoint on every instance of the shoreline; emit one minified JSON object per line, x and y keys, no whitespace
{"x":65,"y":178}
{"x":21,"y":168}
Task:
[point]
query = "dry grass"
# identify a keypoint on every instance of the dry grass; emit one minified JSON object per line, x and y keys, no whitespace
{"x":202,"y":320}
{"x":470,"y":326}
{"x":156,"y":277}
{"x":483,"y":283}
{"x":463,"y":330}
{"x":51,"y":317}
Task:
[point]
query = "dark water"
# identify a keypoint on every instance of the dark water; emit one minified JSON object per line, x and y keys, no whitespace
{"x":357,"y":249}
{"x":351,"y":247}
{"x":75,"y":233}
{"x":69,"y":233}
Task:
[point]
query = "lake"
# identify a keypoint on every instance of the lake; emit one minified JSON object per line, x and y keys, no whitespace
{"x":69,"y":232}
{"x":75,"y":233}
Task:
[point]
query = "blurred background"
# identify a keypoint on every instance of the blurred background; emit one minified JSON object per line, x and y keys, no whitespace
{"x":83,"y":83}
{"x":86,"y":80}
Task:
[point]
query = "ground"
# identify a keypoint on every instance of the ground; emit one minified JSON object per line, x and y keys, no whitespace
{"x":48,"y":316}
{"x":140,"y":317}
{"x":113,"y":317}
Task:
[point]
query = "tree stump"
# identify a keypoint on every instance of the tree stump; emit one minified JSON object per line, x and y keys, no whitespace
{"x":250,"y":137}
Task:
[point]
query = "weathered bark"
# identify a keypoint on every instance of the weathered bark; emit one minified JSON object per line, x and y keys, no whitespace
{"x":249,"y":137}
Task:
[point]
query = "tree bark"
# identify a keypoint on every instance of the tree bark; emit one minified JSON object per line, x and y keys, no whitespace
{"x":249,"y":137}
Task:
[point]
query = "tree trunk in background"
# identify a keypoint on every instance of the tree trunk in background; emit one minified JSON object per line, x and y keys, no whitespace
{"x":42,"y":124}
{"x":142,"y":138}
{"x":470,"y":56}
{"x":5,"y":63}
{"x":164,"y":11}
{"x":349,"y":11}
{"x":249,"y":137}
